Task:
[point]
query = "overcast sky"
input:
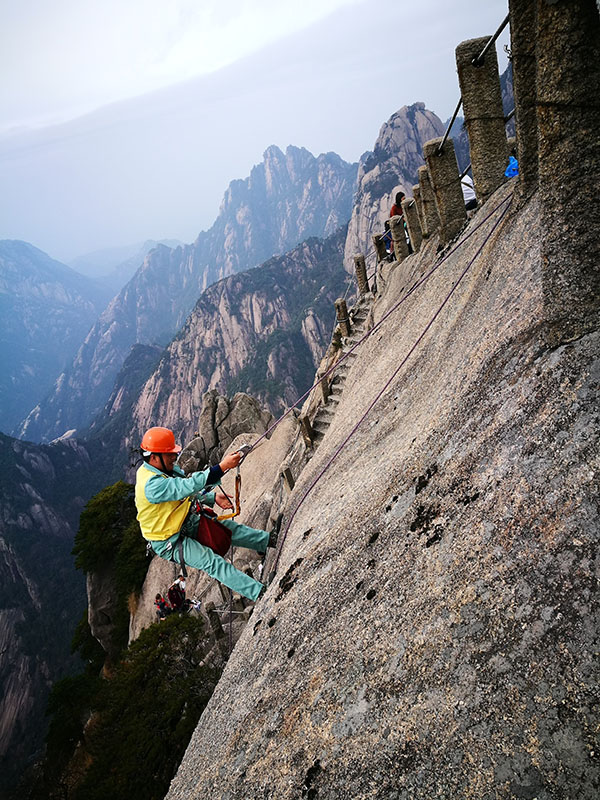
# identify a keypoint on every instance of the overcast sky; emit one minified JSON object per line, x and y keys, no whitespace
{"x":66,"y":57}
{"x":162,"y":102}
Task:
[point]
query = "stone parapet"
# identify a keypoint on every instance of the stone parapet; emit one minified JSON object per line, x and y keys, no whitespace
{"x":445,"y":181}
{"x":412,"y":223}
{"x":361,"y":274}
{"x":430,"y":219}
{"x":399,"y":238}
{"x":484,"y":118}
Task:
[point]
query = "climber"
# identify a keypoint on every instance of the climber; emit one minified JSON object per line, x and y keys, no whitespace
{"x":513,"y":168}
{"x":397,"y":211}
{"x":163,"y":497}
{"x":176,"y":595}
{"x":162,"y":607}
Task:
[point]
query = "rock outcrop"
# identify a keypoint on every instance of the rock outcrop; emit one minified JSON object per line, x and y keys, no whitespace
{"x":46,"y":309}
{"x":432,"y":627}
{"x":261,"y":332}
{"x":221,"y":421}
{"x":42,"y":597}
{"x":391,"y":166}
{"x":287,"y":198}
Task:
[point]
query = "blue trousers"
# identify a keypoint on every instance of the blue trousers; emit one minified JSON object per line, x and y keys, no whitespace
{"x":201,"y":557}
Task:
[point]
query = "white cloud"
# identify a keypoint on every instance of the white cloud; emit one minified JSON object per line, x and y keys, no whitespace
{"x":67,"y":57}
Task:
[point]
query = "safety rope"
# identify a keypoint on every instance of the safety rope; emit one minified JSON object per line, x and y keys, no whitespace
{"x":370,"y":332}
{"x":506,"y":205}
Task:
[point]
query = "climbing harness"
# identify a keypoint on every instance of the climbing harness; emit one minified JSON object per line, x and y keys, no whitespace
{"x":218,"y":539}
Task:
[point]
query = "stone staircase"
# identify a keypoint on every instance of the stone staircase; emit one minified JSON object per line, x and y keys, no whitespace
{"x":358,"y":321}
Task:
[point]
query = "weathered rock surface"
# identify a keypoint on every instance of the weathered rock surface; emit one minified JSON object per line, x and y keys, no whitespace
{"x":433,"y":628}
{"x":287,"y":198}
{"x":42,"y":597}
{"x":221,"y":421}
{"x":391,"y":167}
{"x":46,"y":309}
{"x":261,"y":332}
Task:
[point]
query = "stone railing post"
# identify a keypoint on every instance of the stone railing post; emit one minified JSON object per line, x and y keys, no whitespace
{"x":361,"y":274}
{"x":412,"y":223}
{"x":430,"y":219}
{"x":418,"y":204}
{"x":522,"y":46}
{"x":324,"y":388}
{"x":445,"y":181}
{"x":399,"y":238}
{"x":568,"y":122}
{"x":341,"y":313}
{"x":484,"y":118}
{"x":379,"y":246}
{"x":288,"y":477}
{"x":215,"y":622}
{"x":307,"y":431}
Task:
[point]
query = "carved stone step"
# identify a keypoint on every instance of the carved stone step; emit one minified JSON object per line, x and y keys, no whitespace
{"x":325,"y":414}
{"x":321,"y":425}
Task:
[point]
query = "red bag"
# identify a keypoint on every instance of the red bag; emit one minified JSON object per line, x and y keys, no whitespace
{"x":212,"y":534}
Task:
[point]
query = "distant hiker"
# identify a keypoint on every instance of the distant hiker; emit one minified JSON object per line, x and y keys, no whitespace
{"x":397,"y":210}
{"x":176,"y":595}
{"x":163,"y":497}
{"x":468,"y":190}
{"x":162,"y":607}
{"x":388,"y":241}
{"x":513,"y":168}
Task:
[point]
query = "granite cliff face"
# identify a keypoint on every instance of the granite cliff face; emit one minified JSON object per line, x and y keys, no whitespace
{"x":262,"y":332}
{"x":287,"y":198}
{"x":41,"y":595}
{"x":390,"y":167}
{"x":46,"y":309}
{"x":432,"y":627}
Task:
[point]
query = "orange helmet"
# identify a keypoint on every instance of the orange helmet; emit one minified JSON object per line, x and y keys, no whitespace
{"x":160,"y":440}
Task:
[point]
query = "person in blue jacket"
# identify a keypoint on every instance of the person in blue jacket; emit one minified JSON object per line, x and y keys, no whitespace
{"x":163,"y":497}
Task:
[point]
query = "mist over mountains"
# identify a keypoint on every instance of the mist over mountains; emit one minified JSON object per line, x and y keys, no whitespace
{"x":46,"y":309}
{"x":288,"y":197}
{"x":114,"y":266}
{"x":155,"y":166}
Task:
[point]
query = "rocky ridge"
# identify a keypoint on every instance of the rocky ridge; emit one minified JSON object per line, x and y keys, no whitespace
{"x":298,"y":194}
{"x":41,"y":595}
{"x":46,"y":309}
{"x":261,"y":332}
{"x":391,"y":166}
{"x":429,"y":628}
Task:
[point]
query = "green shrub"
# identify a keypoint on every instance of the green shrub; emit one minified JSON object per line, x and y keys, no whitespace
{"x":147,"y":712}
{"x":109,"y":537}
{"x":101,"y":526}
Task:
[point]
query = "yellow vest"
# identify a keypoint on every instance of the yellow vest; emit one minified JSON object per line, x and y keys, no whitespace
{"x":158,"y":521}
